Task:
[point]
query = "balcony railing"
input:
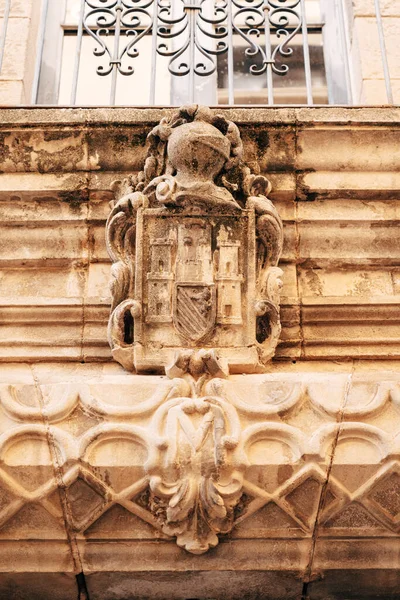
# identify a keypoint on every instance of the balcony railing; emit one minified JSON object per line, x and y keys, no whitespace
{"x":168,"y":52}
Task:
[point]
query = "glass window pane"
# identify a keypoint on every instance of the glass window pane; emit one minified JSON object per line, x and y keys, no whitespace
{"x":289,"y":88}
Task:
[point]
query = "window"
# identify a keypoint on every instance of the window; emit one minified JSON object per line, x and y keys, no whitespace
{"x":169,"y":52}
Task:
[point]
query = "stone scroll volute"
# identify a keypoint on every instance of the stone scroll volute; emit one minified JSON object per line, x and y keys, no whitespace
{"x":195,"y":245}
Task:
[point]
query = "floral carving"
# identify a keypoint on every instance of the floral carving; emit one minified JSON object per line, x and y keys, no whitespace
{"x":196,"y":477}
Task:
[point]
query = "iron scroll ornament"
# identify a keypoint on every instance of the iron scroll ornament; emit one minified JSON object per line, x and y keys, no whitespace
{"x":192,"y":33}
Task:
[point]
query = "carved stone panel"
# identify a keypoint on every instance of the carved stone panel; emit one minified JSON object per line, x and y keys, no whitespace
{"x":195,"y":244}
{"x":194,"y":280}
{"x":197,"y":458}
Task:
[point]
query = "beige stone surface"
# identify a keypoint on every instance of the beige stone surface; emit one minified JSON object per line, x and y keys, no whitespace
{"x":19,"y":8}
{"x":19,"y":38}
{"x":389,"y":8}
{"x":344,"y":235}
{"x":375,"y":90}
{"x":313,"y":469}
{"x":17,"y":34}
{"x":366,"y":54}
{"x":368,"y":41}
{"x":320,"y":487}
{"x":11,"y":89}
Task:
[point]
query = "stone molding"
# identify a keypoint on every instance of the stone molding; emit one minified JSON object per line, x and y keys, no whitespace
{"x":340,"y":255}
{"x":94,"y":450}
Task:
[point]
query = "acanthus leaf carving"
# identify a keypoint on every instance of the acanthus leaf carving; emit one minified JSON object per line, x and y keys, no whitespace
{"x":196,"y":478}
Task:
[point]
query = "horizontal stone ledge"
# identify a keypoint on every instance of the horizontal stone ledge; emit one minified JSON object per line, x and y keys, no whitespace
{"x":291,"y":347}
{"x":49,"y":116}
{"x":83,"y":262}
{"x":343,"y":263}
{"x":69,"y":282}
{"x":57,"y":372}
{"x":25,"y":310}
{"x":320,"y":338}
{"x":272,"y":141}
{"x":317,"y":246}
{"x":359,"y":310}
{"x":227,"y":584}
{"x":348,"y":184}
{"x":52,"y":303}
{"x":42,"y":207}
{"x":284,"y":555}
{"x":361,"y":300}
{"x":367,"y":349}
{"x":28,"y":185}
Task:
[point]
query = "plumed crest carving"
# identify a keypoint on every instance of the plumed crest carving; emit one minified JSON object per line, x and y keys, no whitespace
{"x":195,"y":244}
{"x":158,"y":163}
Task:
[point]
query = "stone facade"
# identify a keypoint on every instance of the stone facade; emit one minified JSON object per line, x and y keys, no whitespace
{"x":18,"y":66}
{"x":199,"y":341}
{"x":97,"y":461}
{"x":366,"y":63}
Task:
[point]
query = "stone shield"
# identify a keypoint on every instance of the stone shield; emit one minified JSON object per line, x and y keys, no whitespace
{"x":194,"y":310}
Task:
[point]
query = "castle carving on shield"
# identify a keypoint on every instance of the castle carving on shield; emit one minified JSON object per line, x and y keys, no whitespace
{"x":229,"y":280}
{"x":186,"y":259}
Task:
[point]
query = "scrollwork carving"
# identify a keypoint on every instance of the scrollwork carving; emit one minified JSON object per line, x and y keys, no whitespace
{"x":196,"y":477}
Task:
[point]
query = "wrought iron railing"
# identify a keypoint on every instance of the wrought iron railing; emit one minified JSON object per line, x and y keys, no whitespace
{"x":212,"y":51}
{"x":192,"y":34}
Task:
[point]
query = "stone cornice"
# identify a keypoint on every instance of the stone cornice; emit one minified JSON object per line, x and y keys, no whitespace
{"x":31,"y":116}
{"x":323,"y":152}
{"x":341,"y":251}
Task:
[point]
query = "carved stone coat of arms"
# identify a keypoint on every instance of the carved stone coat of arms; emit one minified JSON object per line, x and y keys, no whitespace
{"x":195,"y":244}
{"x":195,"y":294}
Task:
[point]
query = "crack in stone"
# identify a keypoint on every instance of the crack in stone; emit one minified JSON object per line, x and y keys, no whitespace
{"x":297,"y":258}
{"x":83,"y":593}
{"x":58,"y":475}
{"x":393,"y":282}
{"x":297,"y":242}
{"x":85,"y":287}
{"x":308,"y":571}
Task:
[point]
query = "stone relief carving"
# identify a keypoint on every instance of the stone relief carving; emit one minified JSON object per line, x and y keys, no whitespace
{"x":202,"y":455}
{"x":195,"y":245}
{"x":196,"y":478}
